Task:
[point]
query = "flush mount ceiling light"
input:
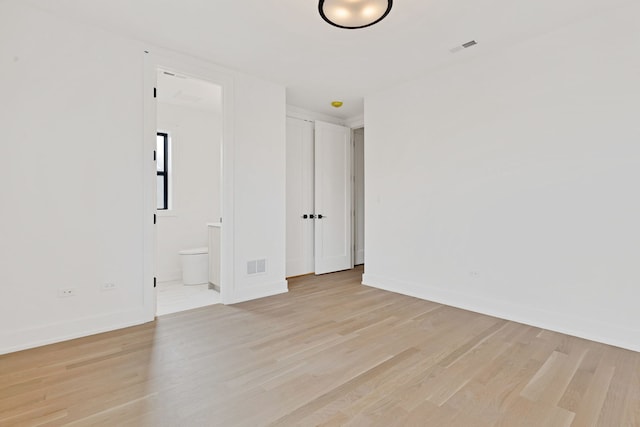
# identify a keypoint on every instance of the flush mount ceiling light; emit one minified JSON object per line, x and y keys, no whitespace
{"x":352,"y":14}
{"x":336,"y":104}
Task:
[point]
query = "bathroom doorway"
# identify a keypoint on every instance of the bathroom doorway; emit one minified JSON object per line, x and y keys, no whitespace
{"x":188,"y":190}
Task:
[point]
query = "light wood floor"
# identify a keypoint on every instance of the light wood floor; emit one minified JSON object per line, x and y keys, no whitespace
{"x":330,"y":352}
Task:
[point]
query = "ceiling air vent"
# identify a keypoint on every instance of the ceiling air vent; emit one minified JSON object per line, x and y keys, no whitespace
{"x":463,"y":46}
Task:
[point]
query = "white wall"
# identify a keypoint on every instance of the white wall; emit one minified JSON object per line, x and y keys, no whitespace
{"x":259,"y":187}
{"x":71,"y":115}
{"x":195,"y":183}
{"x":71,"y":121}
{"x":508,"y":184}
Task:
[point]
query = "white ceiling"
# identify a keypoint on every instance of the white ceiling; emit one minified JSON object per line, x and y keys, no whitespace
{"x":286,"y":41}
{"x":189,"y":92}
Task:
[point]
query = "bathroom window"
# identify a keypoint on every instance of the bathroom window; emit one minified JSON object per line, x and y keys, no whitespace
{"x":162,"y":162}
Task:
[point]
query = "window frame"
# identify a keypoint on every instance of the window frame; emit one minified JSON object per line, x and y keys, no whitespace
{"x":165,"y":171}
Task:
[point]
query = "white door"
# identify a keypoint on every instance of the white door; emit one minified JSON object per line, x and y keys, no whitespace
{"x":333,"y":250}
{"x":299,"y":197}
{"x":358,"y":189}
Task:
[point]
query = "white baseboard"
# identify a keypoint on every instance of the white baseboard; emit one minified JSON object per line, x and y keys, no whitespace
{"x":259,"y":291}
{"x":64,"y":331}
{"x":590,"y":329}
{"x":23,"y":339}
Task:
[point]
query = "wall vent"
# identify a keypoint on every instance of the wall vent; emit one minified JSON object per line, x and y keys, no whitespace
{"x":261,"y":266}
{"x":257,"y":266}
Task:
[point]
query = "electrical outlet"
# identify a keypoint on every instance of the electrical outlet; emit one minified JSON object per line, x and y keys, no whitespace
{"x":66,"y":292}
{"x":109,"y":286}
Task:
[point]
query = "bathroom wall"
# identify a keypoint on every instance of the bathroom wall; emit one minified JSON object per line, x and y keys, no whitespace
{"x":195,"y":136}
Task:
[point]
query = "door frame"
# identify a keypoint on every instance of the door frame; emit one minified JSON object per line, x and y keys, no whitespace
{"x":153,"y":60}
{"x":354,"y":221}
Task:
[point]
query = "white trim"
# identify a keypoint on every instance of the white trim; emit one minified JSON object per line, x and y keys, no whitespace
{"x":167,"y":213}
{"x":64,"y":331}
{"x":538,"y":317}
{"x":172,"y":61}
{"x":311,"y":116}
{"x":353,"y":197}
{"x":149,"y":144}
{"x":260,"y":291}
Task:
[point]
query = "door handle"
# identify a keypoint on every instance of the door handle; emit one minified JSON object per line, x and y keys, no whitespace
{"x":312,"y":216}
{"x":305,"y":216}
{"x":320,"y":216}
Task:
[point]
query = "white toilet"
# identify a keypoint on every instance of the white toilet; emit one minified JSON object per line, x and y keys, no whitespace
{"x":195,"y":266}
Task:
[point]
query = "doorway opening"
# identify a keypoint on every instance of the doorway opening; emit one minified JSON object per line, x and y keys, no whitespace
{"x":188,"y":191}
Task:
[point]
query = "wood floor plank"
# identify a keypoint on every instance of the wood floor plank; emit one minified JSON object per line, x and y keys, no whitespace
{"x":622,"y":392}
{"x":330,"y":352}
{"x":591,"y":403}
{"x":632,"y":408}
{"x":553,"y":378}
{"x":526,"y":413}
{"x":344,"y":389}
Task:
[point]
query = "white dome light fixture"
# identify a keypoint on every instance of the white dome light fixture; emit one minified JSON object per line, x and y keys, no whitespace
{"x":352,"y":14}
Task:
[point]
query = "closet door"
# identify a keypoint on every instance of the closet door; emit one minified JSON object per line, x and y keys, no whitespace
{"x":299,"y":197}
{"x":333,"y":250}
